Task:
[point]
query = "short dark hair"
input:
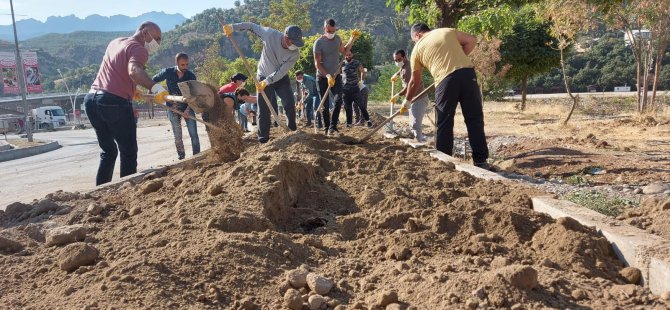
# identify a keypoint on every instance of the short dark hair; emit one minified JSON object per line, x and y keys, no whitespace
{"x":241,"y":92}
{"x":420,"y":28}
{"x":181,"y":56}
{"x":299,"y":72}
{"x":238,"y":77}
{"x":329,"y":22}
{"x":400,"y":52}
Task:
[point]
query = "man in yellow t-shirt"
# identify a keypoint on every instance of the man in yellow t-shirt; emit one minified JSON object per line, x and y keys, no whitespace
{"x":444,"y":52}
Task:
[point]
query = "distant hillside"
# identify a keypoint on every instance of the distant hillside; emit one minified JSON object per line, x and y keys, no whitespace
{"x":31,"y":28}
{"x":81,"y":47}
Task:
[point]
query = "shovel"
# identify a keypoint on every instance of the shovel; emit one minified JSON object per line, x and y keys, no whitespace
{"x":182,"y":114}
{"x":380,"y":126}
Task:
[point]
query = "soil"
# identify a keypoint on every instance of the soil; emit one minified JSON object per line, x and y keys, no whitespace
{"x":383,"y":224}
{"x":225,"y":136}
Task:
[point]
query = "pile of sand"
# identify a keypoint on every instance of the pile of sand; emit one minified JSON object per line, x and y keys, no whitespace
{"x":306,"y":221}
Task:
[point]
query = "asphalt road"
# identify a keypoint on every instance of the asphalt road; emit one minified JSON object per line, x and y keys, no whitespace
{"x":73,"y":166}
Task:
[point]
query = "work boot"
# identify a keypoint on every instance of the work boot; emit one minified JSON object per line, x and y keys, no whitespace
{"x":485,"y":166}
{"x":349,"y":125}
{"x":181,"y":156}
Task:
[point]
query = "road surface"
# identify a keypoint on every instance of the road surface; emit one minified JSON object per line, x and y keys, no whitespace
{"x":73,"y":167}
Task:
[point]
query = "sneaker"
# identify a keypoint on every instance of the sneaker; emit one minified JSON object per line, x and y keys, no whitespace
{"x":349,"y":125}
{"x":333,"y":133}
{"x":309,"y":124}
{"x":369,"y":124}
{"x":181,"y":156}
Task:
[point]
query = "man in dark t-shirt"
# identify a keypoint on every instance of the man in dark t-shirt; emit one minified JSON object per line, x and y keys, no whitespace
{"x":172,"y":76}
{"x":351,"y":90}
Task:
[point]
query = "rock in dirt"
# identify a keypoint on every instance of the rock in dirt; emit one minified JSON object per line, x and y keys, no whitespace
{"x":152,"y":186}
{"x":16,"y":208}
{"x":10,"y":246}
{"x":76,"y":255}
{"x":523,"y":277}
{"x":315,"y":302}
{"x":665,"y":205}
{"x":94,"y":209}
{"x":318,"y":284}
{"x":293,"y":299}
{"x":655,"y":188}
{"x":297,"y":277}
{"x":394,"y":307}
{"x":215,"y":189}
{"x":631,"y":274}
{"x":65,"y":235}
{"x":386,"y":298}
{"x":398,"y":253}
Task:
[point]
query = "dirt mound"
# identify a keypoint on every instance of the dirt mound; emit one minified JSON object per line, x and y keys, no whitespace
{"x":226,"y":137}
{"x":367,"y":226}
{"x":652,"y":215}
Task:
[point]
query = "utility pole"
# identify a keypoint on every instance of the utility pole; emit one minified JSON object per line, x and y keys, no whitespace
{"x":69,"y":95}
{"x":21,"y":78}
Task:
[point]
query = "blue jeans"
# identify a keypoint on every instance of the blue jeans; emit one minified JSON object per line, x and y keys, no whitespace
{"x":112,"y":118}
{"x":191,"y":125}
{"x":309,"y":108}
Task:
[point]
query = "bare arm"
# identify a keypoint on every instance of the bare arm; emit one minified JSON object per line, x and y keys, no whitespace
{"x":362,"y":71}
{"x":139,"y":75}
{"x":346,"y":48}
{"x":468,"y":42}
{"x":414,"y":83}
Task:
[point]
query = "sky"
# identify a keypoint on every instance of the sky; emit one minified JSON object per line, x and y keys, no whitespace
{"x":41,"y":9}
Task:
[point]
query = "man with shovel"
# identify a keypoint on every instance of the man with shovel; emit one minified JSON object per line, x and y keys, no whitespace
{"x":327,"y":50}
{"x":173,"y":76}
{"x":444,"y":52}
{"x":419,"y":107}
{"x":109,"y":102}
{"x":280,"y":53}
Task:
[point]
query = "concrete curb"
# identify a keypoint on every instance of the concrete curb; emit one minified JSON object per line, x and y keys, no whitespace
{"x":28,"y":151}
{"x":635,"y":247}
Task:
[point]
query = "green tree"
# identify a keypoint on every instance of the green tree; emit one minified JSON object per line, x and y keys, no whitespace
{"x":527,"y":49}
{"x":235,"y":66}
{"x":282,"y":14}
{"x":446,"y":13}
{"x":211,"y":69}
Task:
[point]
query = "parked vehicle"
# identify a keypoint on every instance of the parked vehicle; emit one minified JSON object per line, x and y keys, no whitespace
{"x":49,"y":117}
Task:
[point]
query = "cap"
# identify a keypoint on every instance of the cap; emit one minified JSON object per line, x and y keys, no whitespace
{"x":239,"y":76}
{"x":294,"y":33}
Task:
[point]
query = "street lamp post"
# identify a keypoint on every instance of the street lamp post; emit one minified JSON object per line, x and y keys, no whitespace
{"x":21,"y":78}
{"x":69,"y":95}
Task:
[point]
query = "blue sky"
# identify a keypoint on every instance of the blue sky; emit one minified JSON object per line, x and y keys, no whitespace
{"x":41,"y":9}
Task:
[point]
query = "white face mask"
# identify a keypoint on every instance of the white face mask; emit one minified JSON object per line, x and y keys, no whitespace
{"x":399,"y":63}
{"x":152,"y":46}
{"x":330,"y":36}
{"x":299,"y":81}
{"x":292,"y":47}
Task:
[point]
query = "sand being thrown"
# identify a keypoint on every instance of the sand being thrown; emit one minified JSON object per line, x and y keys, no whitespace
{"x":374,"y":218}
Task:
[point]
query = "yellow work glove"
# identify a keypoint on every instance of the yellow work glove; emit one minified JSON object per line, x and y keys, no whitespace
{"x":405,"y":106}
{"x":331,"y":80}
{"x":394,"y":99}
{"x":394,"y":78}
{"x":355,"y":33}
{"x":260,"y":86}
{"x":159,"y":93}
{"x":228,"y":30}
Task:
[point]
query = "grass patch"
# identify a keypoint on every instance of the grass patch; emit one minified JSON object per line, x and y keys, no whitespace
{"x":576,"y":180}
{"x":608,"y":205}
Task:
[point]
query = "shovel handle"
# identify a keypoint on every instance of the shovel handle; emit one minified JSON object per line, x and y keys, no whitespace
{"x":380,"y":126}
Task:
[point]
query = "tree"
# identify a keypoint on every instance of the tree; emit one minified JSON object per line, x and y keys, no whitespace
{"x":284,"y":13}
{"x":235,"y":66}
{"x":212,"y":66}
{"x":568,"y":18}
{"x":446,"y":13}
{"x":527,"y":49}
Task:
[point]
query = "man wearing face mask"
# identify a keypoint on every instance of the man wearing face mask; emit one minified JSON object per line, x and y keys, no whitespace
{"x":327,"y":50}
{"x":418,"y":109}
{"x":280,"y":53}
{"x":109,"y":102}
{"x":173,"y":76}
{"x":352,"y":88}
{"x":307,"y":83}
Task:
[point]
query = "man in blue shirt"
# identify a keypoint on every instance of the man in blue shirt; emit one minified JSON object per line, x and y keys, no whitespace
{"x":172,"y":76}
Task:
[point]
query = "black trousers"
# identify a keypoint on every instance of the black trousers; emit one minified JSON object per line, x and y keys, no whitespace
{"x":351,"y":95}
{"x":461,"y":86}
{"x":336,"y":90}
{"x":281,"y":89}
